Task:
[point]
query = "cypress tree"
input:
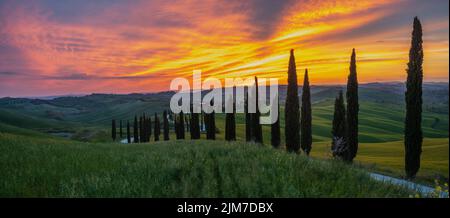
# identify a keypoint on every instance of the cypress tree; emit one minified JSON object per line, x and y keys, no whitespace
{"x":352,"y":110}
{"x":175,"y":125}
{"x":141,"y":132}
{"x":202,"y":122}
{"x":149,"y":127}
{"x":305,"y":114}
{"x":339,"y":122}
{"x":135,"y":130}
{"x":292,"y":112}
{"x":195,"y":129}
{"x":187,"y":123}
{"x":413,"y":98}
{"x":275,"y":130}
{"x":248,"y":129}
{"x":212,"y":121}
{"x":210,"y":126}
{"x":144,"y":129}
{"x":113,"y":130}
{"x":256,"y":127}
{"x":165,"y":126}
{"x":207,"y":126}
{"x":230,"y":124}
{"x":128,"y":132}
{"x":181,"y":127}
{"x":157,"y":129}
{"x":120,"y":129}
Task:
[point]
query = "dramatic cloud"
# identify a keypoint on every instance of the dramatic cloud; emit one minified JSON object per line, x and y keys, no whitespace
{"x":52,"y":47}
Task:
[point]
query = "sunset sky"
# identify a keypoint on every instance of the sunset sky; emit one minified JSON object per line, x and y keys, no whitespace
{"x":54,"y":47}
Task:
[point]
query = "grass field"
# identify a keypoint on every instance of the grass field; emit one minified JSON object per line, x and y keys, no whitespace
{"x":36,"y":167}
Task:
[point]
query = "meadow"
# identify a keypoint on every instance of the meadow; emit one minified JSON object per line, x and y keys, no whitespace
{"x":36,"y":167}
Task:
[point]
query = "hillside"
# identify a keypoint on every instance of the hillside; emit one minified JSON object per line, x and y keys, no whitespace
{"x":38,"y":167}
{"x":381,"y":111}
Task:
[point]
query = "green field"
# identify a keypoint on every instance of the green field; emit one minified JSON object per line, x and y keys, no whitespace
{"x":37,"y":167}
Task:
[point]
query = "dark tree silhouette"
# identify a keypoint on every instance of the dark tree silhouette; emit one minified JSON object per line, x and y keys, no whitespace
{"x":230,"y":124}
{"x":291,"y":111}
{"x":135,"y":130}
{"x":120,"y":129}
{"x":141,"y":132}
{"x":165,"y":126}
{"x":113,"y":130}
{"x":176,"y":126}
{"x":305,"y":118}
{"x":202,"y":122}
{"x":181,"y":127}
{"x":157,"y":128}
{"x":195,"y":129}
{"x":339,"y":122}
{"x":128,"y":132}
{"x":248,"y":122}
{"x":210,"y":126}
{"x":187,"y":123}
{"x":352,"y":110}
{"x":256,"y":126}
{"x":413,"y":97}
{"x":149,"y":126}
{"x":275,"y":139}
{"x":144,"y":128}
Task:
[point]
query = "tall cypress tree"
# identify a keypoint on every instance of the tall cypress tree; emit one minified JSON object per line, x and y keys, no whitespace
{"x":195,"y":129}
{"x":144,"y":128}
{"x":275,"y":139}
{"x":176,"y":126}
{"x":230,"y":124}
{"x":256,"y":127}
{"x":181,"y":127}
{"x":157,"y":128}
{"x":120,"y":129}
{"x":165,"y":126}
{"x":413,"y":97}
{"x":291,"y":111}
{"x":352,"y":110}
{"x":210,"y":126}
{"x":128,"y":132}
{"x":150,"y":128}
{"x":305,"y":117}
{"x":248,"y":124}
{"x":113,"y":130}
{"x":187,"y":123}
{"x":135,"y":130}
{"x":202,"y":122}
{"x":207,"y":126}
{"x":339,"y":122}
{"x":141,"y":132}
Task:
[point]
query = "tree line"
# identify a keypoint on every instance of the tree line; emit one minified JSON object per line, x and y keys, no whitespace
{"x":298,"y":117}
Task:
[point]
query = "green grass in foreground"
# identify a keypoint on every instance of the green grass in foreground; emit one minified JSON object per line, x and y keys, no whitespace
{"x":38,"y":167}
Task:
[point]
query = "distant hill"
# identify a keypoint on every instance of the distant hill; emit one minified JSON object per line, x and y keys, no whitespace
{"x":381,"y":115}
